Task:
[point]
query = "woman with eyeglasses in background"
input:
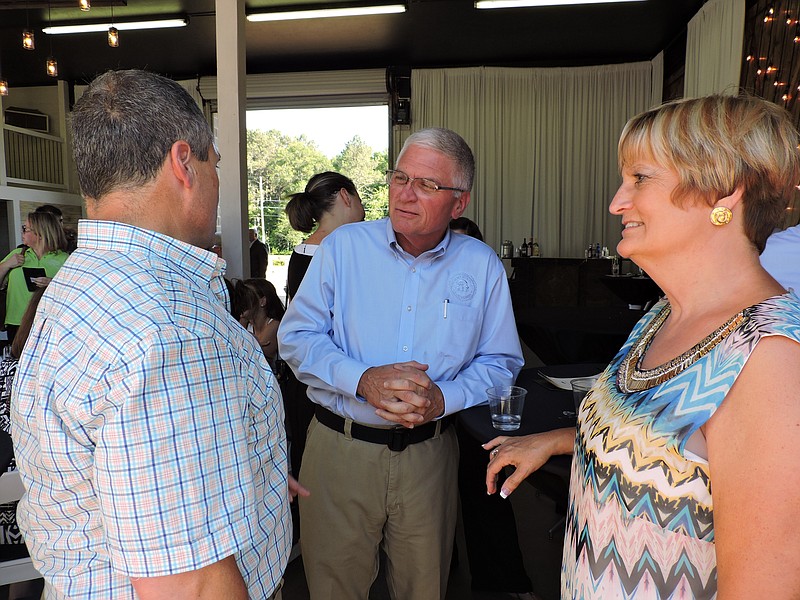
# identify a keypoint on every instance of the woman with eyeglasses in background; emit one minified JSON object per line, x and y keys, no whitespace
{"x":43,"y":245}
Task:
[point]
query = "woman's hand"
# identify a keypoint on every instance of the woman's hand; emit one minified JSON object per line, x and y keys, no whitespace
{"x":41,"y":281}
{"x":526,"y":453}
{"x":15,"y":260}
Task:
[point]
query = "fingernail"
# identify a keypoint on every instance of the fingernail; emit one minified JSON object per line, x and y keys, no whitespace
{"x":504,"y":493}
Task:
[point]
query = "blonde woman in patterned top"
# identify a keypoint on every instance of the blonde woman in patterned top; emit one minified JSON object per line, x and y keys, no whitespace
{"x":686,"y":469}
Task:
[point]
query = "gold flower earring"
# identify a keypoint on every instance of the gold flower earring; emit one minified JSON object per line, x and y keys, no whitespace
{"x":721,"y":215}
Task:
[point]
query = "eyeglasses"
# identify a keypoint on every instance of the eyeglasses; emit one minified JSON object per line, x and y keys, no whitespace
{"x":420,"y":184}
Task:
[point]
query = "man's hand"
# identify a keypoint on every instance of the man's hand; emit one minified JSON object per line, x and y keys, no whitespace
{"x":295,"y":489}
{"x":402,"y":393}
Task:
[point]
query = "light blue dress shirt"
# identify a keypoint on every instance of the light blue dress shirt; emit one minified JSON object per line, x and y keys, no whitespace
{"x":366,"y":302}
{"x":781,"y":257}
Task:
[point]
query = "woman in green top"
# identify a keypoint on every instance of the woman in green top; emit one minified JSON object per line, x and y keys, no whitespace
{"x":43,"y":243}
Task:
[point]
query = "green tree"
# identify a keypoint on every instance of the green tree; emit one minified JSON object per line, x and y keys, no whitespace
{"x":277,"y":166}
{"x":366,"y":168}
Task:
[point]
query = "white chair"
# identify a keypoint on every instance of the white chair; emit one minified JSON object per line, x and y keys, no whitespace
{"x":20,"y":569}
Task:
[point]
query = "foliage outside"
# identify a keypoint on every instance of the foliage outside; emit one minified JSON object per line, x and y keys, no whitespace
{"x":279,"y":166}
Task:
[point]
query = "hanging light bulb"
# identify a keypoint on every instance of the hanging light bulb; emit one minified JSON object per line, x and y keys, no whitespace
{"x":85,"y":5}
{"x":51,"y":66}
{"x":113,"y":33}
{"x":28,"y":41}
{"x":3,"y":87}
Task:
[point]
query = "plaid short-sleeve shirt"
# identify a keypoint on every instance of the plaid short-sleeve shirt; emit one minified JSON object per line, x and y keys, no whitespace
{"x":147,"y":424}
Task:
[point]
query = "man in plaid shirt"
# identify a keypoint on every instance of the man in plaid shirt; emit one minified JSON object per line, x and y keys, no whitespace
{"x":147,"y":424}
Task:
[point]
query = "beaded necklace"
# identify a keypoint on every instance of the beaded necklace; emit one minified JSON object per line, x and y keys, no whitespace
{"x":632,"y":378}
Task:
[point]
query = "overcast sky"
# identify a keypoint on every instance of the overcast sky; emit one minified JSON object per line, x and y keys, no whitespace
{"x":330,"y":128}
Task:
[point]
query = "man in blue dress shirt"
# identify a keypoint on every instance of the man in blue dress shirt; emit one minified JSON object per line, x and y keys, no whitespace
{"x":781,"y":257}
{"x":398,"y":325}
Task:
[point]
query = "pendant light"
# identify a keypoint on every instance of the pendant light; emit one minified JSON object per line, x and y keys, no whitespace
{"x":113,"y":32}
{"x":51,"y":66}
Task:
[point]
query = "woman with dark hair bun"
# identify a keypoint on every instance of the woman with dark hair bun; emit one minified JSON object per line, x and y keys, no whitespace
{"x":467,"y":227}
{"x":329,"y":200}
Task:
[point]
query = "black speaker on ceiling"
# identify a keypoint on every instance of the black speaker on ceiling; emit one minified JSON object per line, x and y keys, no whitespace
{"x":398,"y":84}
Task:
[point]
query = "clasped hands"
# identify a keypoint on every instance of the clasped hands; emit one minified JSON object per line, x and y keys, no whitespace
{"x":402,"y":393}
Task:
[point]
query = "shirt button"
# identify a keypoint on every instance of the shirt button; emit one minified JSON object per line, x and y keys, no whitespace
{"x":408,"y":308}
{"x":405,"y":348}
{"x":413,"y":269}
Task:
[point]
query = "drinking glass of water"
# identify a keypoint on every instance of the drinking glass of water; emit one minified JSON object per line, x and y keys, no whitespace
{"x":505,"y":404}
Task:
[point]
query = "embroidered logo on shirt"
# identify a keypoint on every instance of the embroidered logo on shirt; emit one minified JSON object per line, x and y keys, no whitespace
{"x":462,"y":286}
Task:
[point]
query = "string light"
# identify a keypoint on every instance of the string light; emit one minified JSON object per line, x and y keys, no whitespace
{"x":85,"y":5}
{"x":3,"y":87}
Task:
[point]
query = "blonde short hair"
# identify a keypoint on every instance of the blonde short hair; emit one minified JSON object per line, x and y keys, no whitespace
{"x":50,"y":229}
{"x":718,"y":144}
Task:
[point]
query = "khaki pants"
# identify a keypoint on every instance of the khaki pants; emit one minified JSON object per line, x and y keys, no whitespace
{"x":364,"y":496}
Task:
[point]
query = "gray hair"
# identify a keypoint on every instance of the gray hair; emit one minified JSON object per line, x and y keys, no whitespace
{"x":450,"y":144}
{"x":124,"y":126}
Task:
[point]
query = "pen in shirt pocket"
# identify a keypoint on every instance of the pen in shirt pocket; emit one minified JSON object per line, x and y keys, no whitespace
{"x":445,"y":303}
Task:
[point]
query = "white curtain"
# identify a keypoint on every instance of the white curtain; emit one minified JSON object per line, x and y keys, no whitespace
{"x":714,"y":49}
{"x":545,"y":143}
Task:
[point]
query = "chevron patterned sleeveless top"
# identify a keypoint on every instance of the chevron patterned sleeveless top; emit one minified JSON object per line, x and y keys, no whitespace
{"x":641,"y":514}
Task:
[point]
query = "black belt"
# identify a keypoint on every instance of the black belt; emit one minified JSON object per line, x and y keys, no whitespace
{"x":396,"y":438}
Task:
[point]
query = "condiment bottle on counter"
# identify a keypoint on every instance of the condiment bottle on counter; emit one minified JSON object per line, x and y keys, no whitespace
{"x":535,"y":252}
{"x":523,"y":250}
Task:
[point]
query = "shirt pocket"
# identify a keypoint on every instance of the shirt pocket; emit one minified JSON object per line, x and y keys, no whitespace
{"x":458,"y":334}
